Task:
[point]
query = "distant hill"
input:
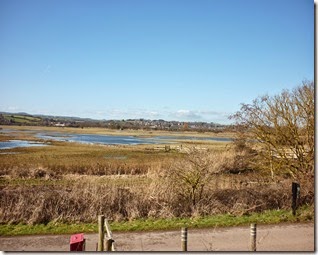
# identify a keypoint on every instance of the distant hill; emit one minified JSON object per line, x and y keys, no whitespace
{"x":22,"y":118}
{"x":19,"y":119}
{"x":25,"y":119}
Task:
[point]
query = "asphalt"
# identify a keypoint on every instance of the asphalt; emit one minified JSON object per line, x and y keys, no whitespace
{"x":281,"y":237}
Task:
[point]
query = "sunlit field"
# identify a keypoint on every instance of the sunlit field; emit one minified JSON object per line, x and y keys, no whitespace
{"x":70,"y":182}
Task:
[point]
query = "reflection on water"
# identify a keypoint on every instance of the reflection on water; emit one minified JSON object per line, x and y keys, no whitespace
{"x":102,"y":139}
{"x":98,"y":139}
{"x":19,"y":143}
{"x":116,"y":139}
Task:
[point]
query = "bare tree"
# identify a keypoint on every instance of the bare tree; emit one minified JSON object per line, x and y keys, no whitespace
{"x":188,"y":178}
{"x":280,"y":129}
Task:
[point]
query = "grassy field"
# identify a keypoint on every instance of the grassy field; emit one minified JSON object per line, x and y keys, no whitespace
{"x":65,"y":186}
{"x":140,"y":133}
{"x":75,"y":158}
{"x":22,"y":119}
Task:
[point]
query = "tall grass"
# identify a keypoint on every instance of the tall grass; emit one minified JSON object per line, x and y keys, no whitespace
{"x":85,"y":181}
{"x":81,"y":198}
{"x":83,"y":202}
{"x":68,"y":158}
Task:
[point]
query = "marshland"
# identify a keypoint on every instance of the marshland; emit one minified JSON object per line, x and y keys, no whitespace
{"x":71,"y":183}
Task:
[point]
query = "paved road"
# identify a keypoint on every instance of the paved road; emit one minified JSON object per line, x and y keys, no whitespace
{"x":282,"y":237}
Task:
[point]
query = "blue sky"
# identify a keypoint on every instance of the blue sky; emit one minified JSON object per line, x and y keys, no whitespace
{"x":170,"y":59}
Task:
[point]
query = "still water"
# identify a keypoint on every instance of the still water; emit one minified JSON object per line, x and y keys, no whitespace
{"x":115,"y":139}
{"x":19,"y":143}
{"x":98,"y":139}
{"x":102,"y":139}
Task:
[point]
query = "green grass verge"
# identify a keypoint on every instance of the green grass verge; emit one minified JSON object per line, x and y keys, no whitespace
{"x":304,"y":214}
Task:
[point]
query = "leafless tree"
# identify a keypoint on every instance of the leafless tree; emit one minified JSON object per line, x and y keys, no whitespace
{"x":280,"y":129}
{"x":188,"y":178}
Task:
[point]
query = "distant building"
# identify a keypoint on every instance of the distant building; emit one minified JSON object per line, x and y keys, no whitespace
{"x":60,"y":124}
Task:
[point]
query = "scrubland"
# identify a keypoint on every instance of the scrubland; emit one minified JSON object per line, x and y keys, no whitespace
{"x":72,"y":183}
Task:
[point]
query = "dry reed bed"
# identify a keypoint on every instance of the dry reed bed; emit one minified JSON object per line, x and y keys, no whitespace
{"x":82,"y":197}
{"x":82,"y":202}
{"x":68,"y":158}
{"x":105,"y":131}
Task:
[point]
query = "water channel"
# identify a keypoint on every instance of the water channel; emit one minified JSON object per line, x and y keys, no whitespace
{"x":99,"y":139}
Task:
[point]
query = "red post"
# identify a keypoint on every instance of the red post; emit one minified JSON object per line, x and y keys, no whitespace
{"x":77,"y":242}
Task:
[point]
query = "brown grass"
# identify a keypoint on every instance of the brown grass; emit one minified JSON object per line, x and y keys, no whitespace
{"x":82,"y":202}
{"x":74,"y":183}
{"x":105,"y":131}
{"x":80,"y":198}
{"x":71,"y":158}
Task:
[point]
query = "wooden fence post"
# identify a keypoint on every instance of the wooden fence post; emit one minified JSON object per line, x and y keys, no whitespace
{"x":101,"y":232}
{"x":296,"y":194}
{"x":184,"y":239}
{"x":253,"y":237}
{"x":110,"y":245}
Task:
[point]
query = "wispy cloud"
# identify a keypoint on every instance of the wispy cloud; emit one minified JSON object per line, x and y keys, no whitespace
{"x":200,"y":115}
{"x":166,"y":114}
{"x":10,"y":108}
{"x":186,"y":115}
{"x":133,"y":113}
{"x":122,"y":114}
{"x":137,"y":113}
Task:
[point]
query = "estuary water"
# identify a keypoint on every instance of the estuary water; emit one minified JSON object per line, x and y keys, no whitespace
{"x":19,"y":143}
{"x":100,"y":139}
{"x":124,"y":140}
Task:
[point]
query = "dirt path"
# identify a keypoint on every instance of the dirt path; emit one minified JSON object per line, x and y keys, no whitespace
{"x":282,"y":237}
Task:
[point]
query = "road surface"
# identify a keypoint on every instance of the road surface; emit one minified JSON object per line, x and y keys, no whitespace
{"x":281,"y":237}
